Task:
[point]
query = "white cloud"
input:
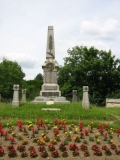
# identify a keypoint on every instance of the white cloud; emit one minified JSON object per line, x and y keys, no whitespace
{"x":26,"y":61}
{"x":98,"y":29}
{"x":110,"y":29}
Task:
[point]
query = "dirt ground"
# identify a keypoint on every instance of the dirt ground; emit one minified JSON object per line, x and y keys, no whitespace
{"x":39,"y":135}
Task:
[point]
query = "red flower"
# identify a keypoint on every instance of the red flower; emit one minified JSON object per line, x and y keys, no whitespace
{"x":1,"y":151}
{"x":83,"y":147}
{"x":98,"y":152}
{"x":81,"y":126}
{"x":86,"y":131}
{"x":41,"y":148}
{"x":51,"y":147}
{"x":104,"y":147}
{"x":12,"y":139}
{"x":75,"y":152}
{"x":108,"y":152}
{"x":106,"y":127}
{"x":24,"y":129}
{"x":113,"y":146}
{"x":64,"y":127}
{"x":100,"y":126}
{"x":0,"y":126}
{"x":55,"y":153}
{"x":5,"y":133}
{"x":56,"y":132}
{"x":31,"y":148}
{"x":33,"y":130}
{"x":63,"y":122}
{"x":72,"y":122}
{"x":73,"y":146}
{"x":10,"y":147}
{"x":44,"y":154}
{"x":118,"y":131}
{"x":56,"y":121}
{"x":21,"y":148}
{"x":20,"y":124}
{"x":2,"y":132}
{"x":43,"y":126}
{"x":81,"y":134}
{"x":12,"y":153}
{"x":117,"y":151}
{"x":39,"y":122}
{"x":33,"y":153}
{"x":62,"y":147}
{"x":94,"y":147}
{"x":86,"y":153}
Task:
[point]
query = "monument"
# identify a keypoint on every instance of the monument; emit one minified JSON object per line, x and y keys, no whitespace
{"x":85,"y":100}
{"x":74,"y":98}
{"x":50,"y":89}
{"x":15,"y":102}
{"x":23,"y":95}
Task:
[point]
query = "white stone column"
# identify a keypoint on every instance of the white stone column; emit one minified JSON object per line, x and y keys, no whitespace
{"x":85,"y":100}
{"x":23,"y":95}
{"x":15,"y":101}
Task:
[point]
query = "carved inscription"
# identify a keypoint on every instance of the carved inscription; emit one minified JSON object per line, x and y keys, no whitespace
{"x":49,"y":94}
{"x":50,"y":87}
{"x":50,"y":43}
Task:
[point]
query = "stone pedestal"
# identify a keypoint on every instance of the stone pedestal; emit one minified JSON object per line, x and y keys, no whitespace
{"x":23,"y":95}
{"x":50,"y":88}
{"x":15,"y":102}
{"x":85,"y":100}
{"x":74,"y":98}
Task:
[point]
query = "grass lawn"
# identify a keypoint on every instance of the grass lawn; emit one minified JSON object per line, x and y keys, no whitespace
{"x":69,"y":112}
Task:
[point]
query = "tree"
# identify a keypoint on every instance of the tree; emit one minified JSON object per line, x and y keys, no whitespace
{"x":39,"y":77}
{"x":32,"y":87}
{"x":91,"y":67}
{"x":10,"y":74}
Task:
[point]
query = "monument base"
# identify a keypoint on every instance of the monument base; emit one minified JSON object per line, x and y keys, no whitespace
{"x":15,"y":103}
{"x":42,"y":99}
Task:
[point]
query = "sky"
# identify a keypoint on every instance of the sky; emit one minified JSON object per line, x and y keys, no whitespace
{"x":24,"y":25}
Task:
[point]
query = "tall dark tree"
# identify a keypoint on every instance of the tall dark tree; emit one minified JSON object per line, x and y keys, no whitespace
{"x":95,"y":68}
{"x":39,"y":77}
{"x":33,"y":88}
{"x":10,"y":74}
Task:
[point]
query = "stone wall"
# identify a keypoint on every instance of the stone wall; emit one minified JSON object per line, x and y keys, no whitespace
{"x":112,"y":102}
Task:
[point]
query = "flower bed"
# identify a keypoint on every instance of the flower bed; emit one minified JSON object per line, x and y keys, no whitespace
{"x":57,"y":139}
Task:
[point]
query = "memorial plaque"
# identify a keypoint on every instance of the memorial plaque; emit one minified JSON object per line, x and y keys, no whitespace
{"x":50,"y":94}
{"x":50,"y":87}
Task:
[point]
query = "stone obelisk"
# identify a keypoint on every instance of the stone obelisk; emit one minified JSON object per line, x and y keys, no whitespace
{"x":50,"y":88}
{"x":50,"y":68}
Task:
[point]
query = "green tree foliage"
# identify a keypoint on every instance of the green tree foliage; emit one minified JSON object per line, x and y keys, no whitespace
{"x":91,"y":67}
{"x":32,"y":87}
{"x":39,"y":77}
{"x":10,"y":74}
